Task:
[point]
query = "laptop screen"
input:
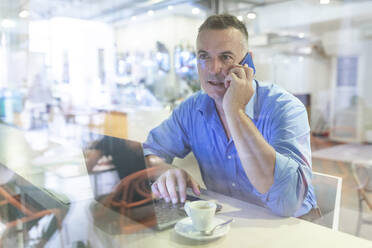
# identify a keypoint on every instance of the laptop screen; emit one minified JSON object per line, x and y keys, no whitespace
{"x":125,"y":155}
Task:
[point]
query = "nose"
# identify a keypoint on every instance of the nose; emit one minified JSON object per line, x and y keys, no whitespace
{"x":215,"y":66}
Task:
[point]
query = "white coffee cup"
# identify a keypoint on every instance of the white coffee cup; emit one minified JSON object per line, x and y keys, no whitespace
{"x":201,"y":214}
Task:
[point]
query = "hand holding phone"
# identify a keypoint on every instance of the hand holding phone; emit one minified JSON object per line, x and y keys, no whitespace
{"x":238,"y":96}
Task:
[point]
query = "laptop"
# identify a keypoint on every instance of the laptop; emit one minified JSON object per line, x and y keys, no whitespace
{"x":127,"y":159}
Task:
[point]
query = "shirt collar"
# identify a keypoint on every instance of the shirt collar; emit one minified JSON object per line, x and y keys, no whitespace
{"x":207,"y":105}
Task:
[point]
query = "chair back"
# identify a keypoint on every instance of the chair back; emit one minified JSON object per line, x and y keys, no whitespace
{"x":362,"y":173}
{"x":328,"y":193}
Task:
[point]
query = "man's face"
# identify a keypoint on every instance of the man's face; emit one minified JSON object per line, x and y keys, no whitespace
{"x":217,"y":51}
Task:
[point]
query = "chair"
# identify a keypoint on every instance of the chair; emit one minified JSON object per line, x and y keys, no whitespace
{"x":362,"y":173}
{"x":328,"y":193}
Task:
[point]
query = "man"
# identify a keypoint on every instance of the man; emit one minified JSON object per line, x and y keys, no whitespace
{"x":251,"y":140}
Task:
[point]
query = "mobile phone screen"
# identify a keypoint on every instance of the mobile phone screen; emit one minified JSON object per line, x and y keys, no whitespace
{"x":248,"y":60}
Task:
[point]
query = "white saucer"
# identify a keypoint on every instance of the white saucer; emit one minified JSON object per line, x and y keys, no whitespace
{"x":184,"y":228}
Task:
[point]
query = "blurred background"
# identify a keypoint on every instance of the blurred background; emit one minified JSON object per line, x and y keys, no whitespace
{"x":73,"y":61}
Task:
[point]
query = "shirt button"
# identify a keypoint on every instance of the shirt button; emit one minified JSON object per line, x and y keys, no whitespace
{"x":229,"y":157}
{"x":233,"y":184}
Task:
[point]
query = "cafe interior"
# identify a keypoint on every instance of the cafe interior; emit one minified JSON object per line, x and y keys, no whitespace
{"x":82,"y":75}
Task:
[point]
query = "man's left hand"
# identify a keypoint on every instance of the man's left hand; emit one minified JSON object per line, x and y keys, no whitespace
{"x":239,"y":88}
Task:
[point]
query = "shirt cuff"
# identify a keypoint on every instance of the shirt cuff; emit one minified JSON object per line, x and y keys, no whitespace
{"x":281,"y":197}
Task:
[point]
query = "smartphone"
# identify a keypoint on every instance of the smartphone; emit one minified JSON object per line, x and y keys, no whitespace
{"x":248,"y":60}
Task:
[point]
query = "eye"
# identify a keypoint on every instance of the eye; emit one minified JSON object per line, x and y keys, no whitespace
{"x":226,"y":58}
{"x":203,"y":56}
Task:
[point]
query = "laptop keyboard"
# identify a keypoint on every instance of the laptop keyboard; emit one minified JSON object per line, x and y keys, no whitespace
{"x":168,"y":213}
{"x":169,"y":205}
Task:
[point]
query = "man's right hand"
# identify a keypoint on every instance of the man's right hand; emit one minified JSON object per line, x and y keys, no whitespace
{"x":166,"y":185}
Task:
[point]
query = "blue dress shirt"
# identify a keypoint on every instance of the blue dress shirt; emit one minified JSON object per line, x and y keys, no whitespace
{"x":282,"y":120}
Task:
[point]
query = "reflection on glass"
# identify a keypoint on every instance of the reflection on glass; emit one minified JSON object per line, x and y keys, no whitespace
{"x":27,"y":210}
{"x":72,"y":68}
{"x":128,"y":204}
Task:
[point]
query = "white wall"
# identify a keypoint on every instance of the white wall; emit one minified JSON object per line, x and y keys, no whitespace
{"x":170,"y":30}
{"x":81,"y":40}
{"x":13,"y":64}
{"x":292,"y":14}
{"x":3,"y":62}
{"x":298,"y":74}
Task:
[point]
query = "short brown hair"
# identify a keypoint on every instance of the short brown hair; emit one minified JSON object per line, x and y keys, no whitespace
{"x":224,"y":21}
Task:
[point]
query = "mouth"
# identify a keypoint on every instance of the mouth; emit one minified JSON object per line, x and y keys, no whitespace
{"x":216,"y":83}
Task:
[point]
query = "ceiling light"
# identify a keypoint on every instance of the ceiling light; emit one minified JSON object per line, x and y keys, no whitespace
{"x":170,"y":7}
{"x":305,"y":50}
{"x":150,"y":12}
{"x":324,"y":1}
{"x":133,"y":18}
{"x":6,"y":23}
{"x":195,"y":11}
{"x":301,"y":35}
{"x":251,"y":15}
{"x":24,"y":14}
{"x":240,"y":18}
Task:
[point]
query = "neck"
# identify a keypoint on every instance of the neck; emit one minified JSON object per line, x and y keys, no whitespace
{"x":221,"y":114}
{"x":219,"y":108}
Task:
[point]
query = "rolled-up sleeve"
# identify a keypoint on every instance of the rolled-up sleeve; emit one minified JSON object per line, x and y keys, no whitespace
{"x":170,"y":139}
{"x":290,"y":137}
